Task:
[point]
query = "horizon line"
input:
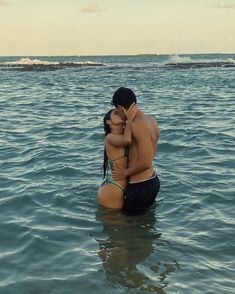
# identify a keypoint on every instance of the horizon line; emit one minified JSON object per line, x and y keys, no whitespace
{"x":100,"y":55}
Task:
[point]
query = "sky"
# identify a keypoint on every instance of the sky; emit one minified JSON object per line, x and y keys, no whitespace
{"x":116,"y":27}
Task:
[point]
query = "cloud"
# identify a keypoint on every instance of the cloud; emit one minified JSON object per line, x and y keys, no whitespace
{"x":92,"y":8}
{"x":4,"y":3}
{"x":225,"y":4}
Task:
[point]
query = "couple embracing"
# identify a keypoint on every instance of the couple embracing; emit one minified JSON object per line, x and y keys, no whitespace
{"x":130,"y":182}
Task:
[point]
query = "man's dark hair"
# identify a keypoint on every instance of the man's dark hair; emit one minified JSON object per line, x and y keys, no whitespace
{"x":124,"y":97}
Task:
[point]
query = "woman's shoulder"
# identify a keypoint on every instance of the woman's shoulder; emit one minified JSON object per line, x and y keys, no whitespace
{"x":114,"y":139}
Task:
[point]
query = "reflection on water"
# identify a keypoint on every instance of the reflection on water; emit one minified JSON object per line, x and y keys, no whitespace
{"x":130,"y":254}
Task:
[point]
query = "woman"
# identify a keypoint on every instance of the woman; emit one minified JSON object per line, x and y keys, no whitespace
{"x":111,"y":193}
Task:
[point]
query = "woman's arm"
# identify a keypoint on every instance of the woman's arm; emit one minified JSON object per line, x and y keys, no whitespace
{"x":126,"y":138}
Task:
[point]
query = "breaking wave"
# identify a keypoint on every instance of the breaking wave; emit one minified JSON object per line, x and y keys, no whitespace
{"x":27,"y":64}
{"x":168,"y":63}
{"x":184,"y":62}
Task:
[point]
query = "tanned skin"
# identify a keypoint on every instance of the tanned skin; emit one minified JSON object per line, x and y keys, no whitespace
{"x":145,"y":136}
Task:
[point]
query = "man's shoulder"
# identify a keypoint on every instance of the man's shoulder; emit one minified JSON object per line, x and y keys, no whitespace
{"x":143,"y":119}
{"x":146,"y":125}
{"x":140,"y":123}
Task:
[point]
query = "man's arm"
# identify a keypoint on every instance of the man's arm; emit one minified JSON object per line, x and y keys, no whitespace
{"x":143,"y":142}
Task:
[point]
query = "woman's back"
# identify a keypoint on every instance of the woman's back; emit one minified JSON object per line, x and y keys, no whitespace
{"x":111,"y":192}
{"x":117,"y":158}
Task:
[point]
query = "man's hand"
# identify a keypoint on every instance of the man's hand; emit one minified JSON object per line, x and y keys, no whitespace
{"x":119,"y":173}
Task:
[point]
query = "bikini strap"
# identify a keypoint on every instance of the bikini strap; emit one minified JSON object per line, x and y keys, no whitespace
{"x":126,"y":154}
{"x":116,"y":184}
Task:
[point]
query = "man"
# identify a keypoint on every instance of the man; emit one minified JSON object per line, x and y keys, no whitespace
{"x":143,"y":183}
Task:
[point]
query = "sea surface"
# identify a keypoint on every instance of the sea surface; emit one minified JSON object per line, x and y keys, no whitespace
{"x":54,"y":238}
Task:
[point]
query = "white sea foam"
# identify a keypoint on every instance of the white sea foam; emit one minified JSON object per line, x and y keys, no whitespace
{"x":231,"y":60}
{"x":174,"y":59}
{"x":87,"y":63}
{"x":179,"y":59}
{"x":28,"y":61}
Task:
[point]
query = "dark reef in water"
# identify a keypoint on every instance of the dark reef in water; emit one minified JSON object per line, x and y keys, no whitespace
{"x":65,"y":65}
{"x":189,"y":65}
{"x":47,"y":67}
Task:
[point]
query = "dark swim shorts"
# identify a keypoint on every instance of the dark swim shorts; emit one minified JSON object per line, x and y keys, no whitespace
{"x":140,"y":196}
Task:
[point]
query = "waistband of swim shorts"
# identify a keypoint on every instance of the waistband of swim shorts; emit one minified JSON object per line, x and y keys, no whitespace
{"x":154,"y":175}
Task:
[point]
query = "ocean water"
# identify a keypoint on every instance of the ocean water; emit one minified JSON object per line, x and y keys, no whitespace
{"x":54,"y":238}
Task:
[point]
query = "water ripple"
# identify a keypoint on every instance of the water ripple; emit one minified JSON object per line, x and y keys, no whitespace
{"x":54,"y":237}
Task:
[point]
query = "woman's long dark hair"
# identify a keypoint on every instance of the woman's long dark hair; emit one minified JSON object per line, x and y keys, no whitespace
{"x":107,"y":130}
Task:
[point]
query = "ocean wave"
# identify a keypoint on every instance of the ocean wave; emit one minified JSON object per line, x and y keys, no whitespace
{"x":189,"y":59}
{"x":178,"y":59}
{"x":171,"y":62}
{"x":174,"y":62}
{"x":27,"y":64}
{"x":185,"y":62}
{"x":28,"y":61}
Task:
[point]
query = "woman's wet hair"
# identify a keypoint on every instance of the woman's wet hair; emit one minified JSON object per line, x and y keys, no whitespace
{"x":107,"y":130}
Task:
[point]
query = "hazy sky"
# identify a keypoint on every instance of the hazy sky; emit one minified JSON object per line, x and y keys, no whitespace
{"x":100,"y":27}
